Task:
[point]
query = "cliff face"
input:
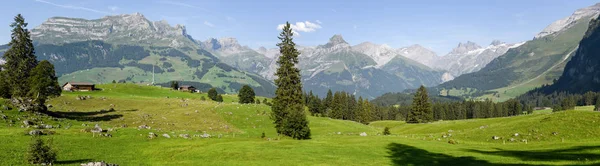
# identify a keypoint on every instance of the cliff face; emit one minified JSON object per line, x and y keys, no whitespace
{"x":119,"y":29}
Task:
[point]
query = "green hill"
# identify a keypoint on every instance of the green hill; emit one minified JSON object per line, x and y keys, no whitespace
{"x":236,"y":131}
{"x":533,"y":64}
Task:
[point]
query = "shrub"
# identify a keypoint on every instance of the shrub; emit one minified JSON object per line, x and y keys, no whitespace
{"x":40,"y":152}
{"x":212,"y":94}
{"x":263,"y":135}
{"x":386,"y":131}
{"x":246,"y":95}
{"x":203,"y":98}
{"x":219,"y":98}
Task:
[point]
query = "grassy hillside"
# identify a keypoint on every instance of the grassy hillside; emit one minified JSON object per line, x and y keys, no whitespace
{"x":236,"y":135}
{"x":523,"y":68}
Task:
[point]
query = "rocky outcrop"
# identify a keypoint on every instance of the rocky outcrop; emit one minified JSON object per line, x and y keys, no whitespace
{"x":568,"y":22}
{"x":122,"y":29}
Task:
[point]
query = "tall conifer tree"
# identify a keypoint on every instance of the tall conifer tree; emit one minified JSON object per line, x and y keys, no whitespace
{"x":421,"y":108}
{"x":288,"y":109}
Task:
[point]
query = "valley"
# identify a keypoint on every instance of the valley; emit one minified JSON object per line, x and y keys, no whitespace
{"x":235,"y":131}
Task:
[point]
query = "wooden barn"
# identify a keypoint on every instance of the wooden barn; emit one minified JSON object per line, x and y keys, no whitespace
{"x":78,"y":86}
{"x":187,"y":88}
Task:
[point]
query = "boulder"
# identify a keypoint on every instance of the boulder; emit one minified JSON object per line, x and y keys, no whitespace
{"x":186,"y":136}
{"x":27,"y":123}
{"x":46,"y":126}
{"x":166,"y":135}
{"x":144,"y":127}
{"x":495,"y":137}
{"x":363,"y":134}
{"x":516,"y":134}
{"x":35,"y":132}
{"x":99,"y":163}
{"x":205,"y":135}
{"x":151,"y":135}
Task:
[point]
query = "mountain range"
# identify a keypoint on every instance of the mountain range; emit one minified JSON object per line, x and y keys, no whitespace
{"x":129,"y":47}
{"x":532,"y":64}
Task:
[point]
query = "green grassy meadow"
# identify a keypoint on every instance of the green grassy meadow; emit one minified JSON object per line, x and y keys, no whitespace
{"x":561,"y":138}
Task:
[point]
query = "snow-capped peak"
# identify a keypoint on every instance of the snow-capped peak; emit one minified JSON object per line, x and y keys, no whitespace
{"x":381,"y":54}
{"x":567,"y":22}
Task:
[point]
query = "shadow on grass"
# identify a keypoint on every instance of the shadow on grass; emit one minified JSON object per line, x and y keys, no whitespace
{"x":79,"y":161}
{"x":93,"y":116}
{"x":408,"y":155}
{"x":578,"y":153}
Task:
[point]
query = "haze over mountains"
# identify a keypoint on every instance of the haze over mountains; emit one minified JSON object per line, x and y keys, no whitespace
{"x":129,"y":47}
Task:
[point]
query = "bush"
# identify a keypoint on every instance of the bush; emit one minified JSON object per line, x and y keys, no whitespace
{"x":203,"y":98}
{"x":212,"y":94}
{"x":263,"y":135}
{"x":246,"y":95}
{"x":40,"y":152}
{"x":219,"y":98}
{"x":386,"y":131}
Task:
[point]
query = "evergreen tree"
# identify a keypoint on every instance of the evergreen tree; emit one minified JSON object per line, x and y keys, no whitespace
{"x":4,"y":87}
{"x":257,"y":101}
{"x":40,"y":153}
{"x":265,"y":101}
{"x":288,"y":109}
{"x":212,"y":94}
{"x":175,"y":85}
{"x":386,"y":131}
{"x":597,"y":104}
{"x":328,"y":99}
{"x":246,"y":95}
{"x":114,"y":82}
{"x":20,"y":60}
{"x":43,"y":83}
{"x":219,"y":98}
{"x":421,"y":108}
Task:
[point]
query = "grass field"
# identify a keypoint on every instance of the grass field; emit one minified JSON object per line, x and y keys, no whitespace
{"x":236,"y":131}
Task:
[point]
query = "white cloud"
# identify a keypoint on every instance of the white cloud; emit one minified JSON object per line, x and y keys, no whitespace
{"x":113,"y":8}
{"x":319,"y":22}
{"x":209,"y":24}
{"x":73,"y":7}
{"x":305,"y":26}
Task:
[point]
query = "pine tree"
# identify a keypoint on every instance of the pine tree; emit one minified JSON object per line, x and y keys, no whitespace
{"x":175,"y":85}
{"x":288,"y":109}
{"x":328,"y":99}
{"x":246,"y":95}
{"x":4,"y":87}
{"x":40,"y":153}
{"x":212,"y":94}
{"x":219,"y":98}
{"x":43,"y":83}
{"x":421,"y":108}
{"x":597,"y":104}
{"x":20,"y":60}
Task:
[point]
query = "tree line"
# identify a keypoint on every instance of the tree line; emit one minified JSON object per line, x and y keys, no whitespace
{"x":559,"y":101}
{"x":343,"y":105}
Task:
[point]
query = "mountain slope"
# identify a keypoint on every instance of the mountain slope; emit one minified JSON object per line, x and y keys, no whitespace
{"x":470,"y":57}
{"x":133,"y":49}
{"x":545,"y":55}
{"x":229,"y":51}
{"x":582,"y":72}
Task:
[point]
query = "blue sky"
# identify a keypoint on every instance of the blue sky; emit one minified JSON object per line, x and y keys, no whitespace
{"x":439,"y":25}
